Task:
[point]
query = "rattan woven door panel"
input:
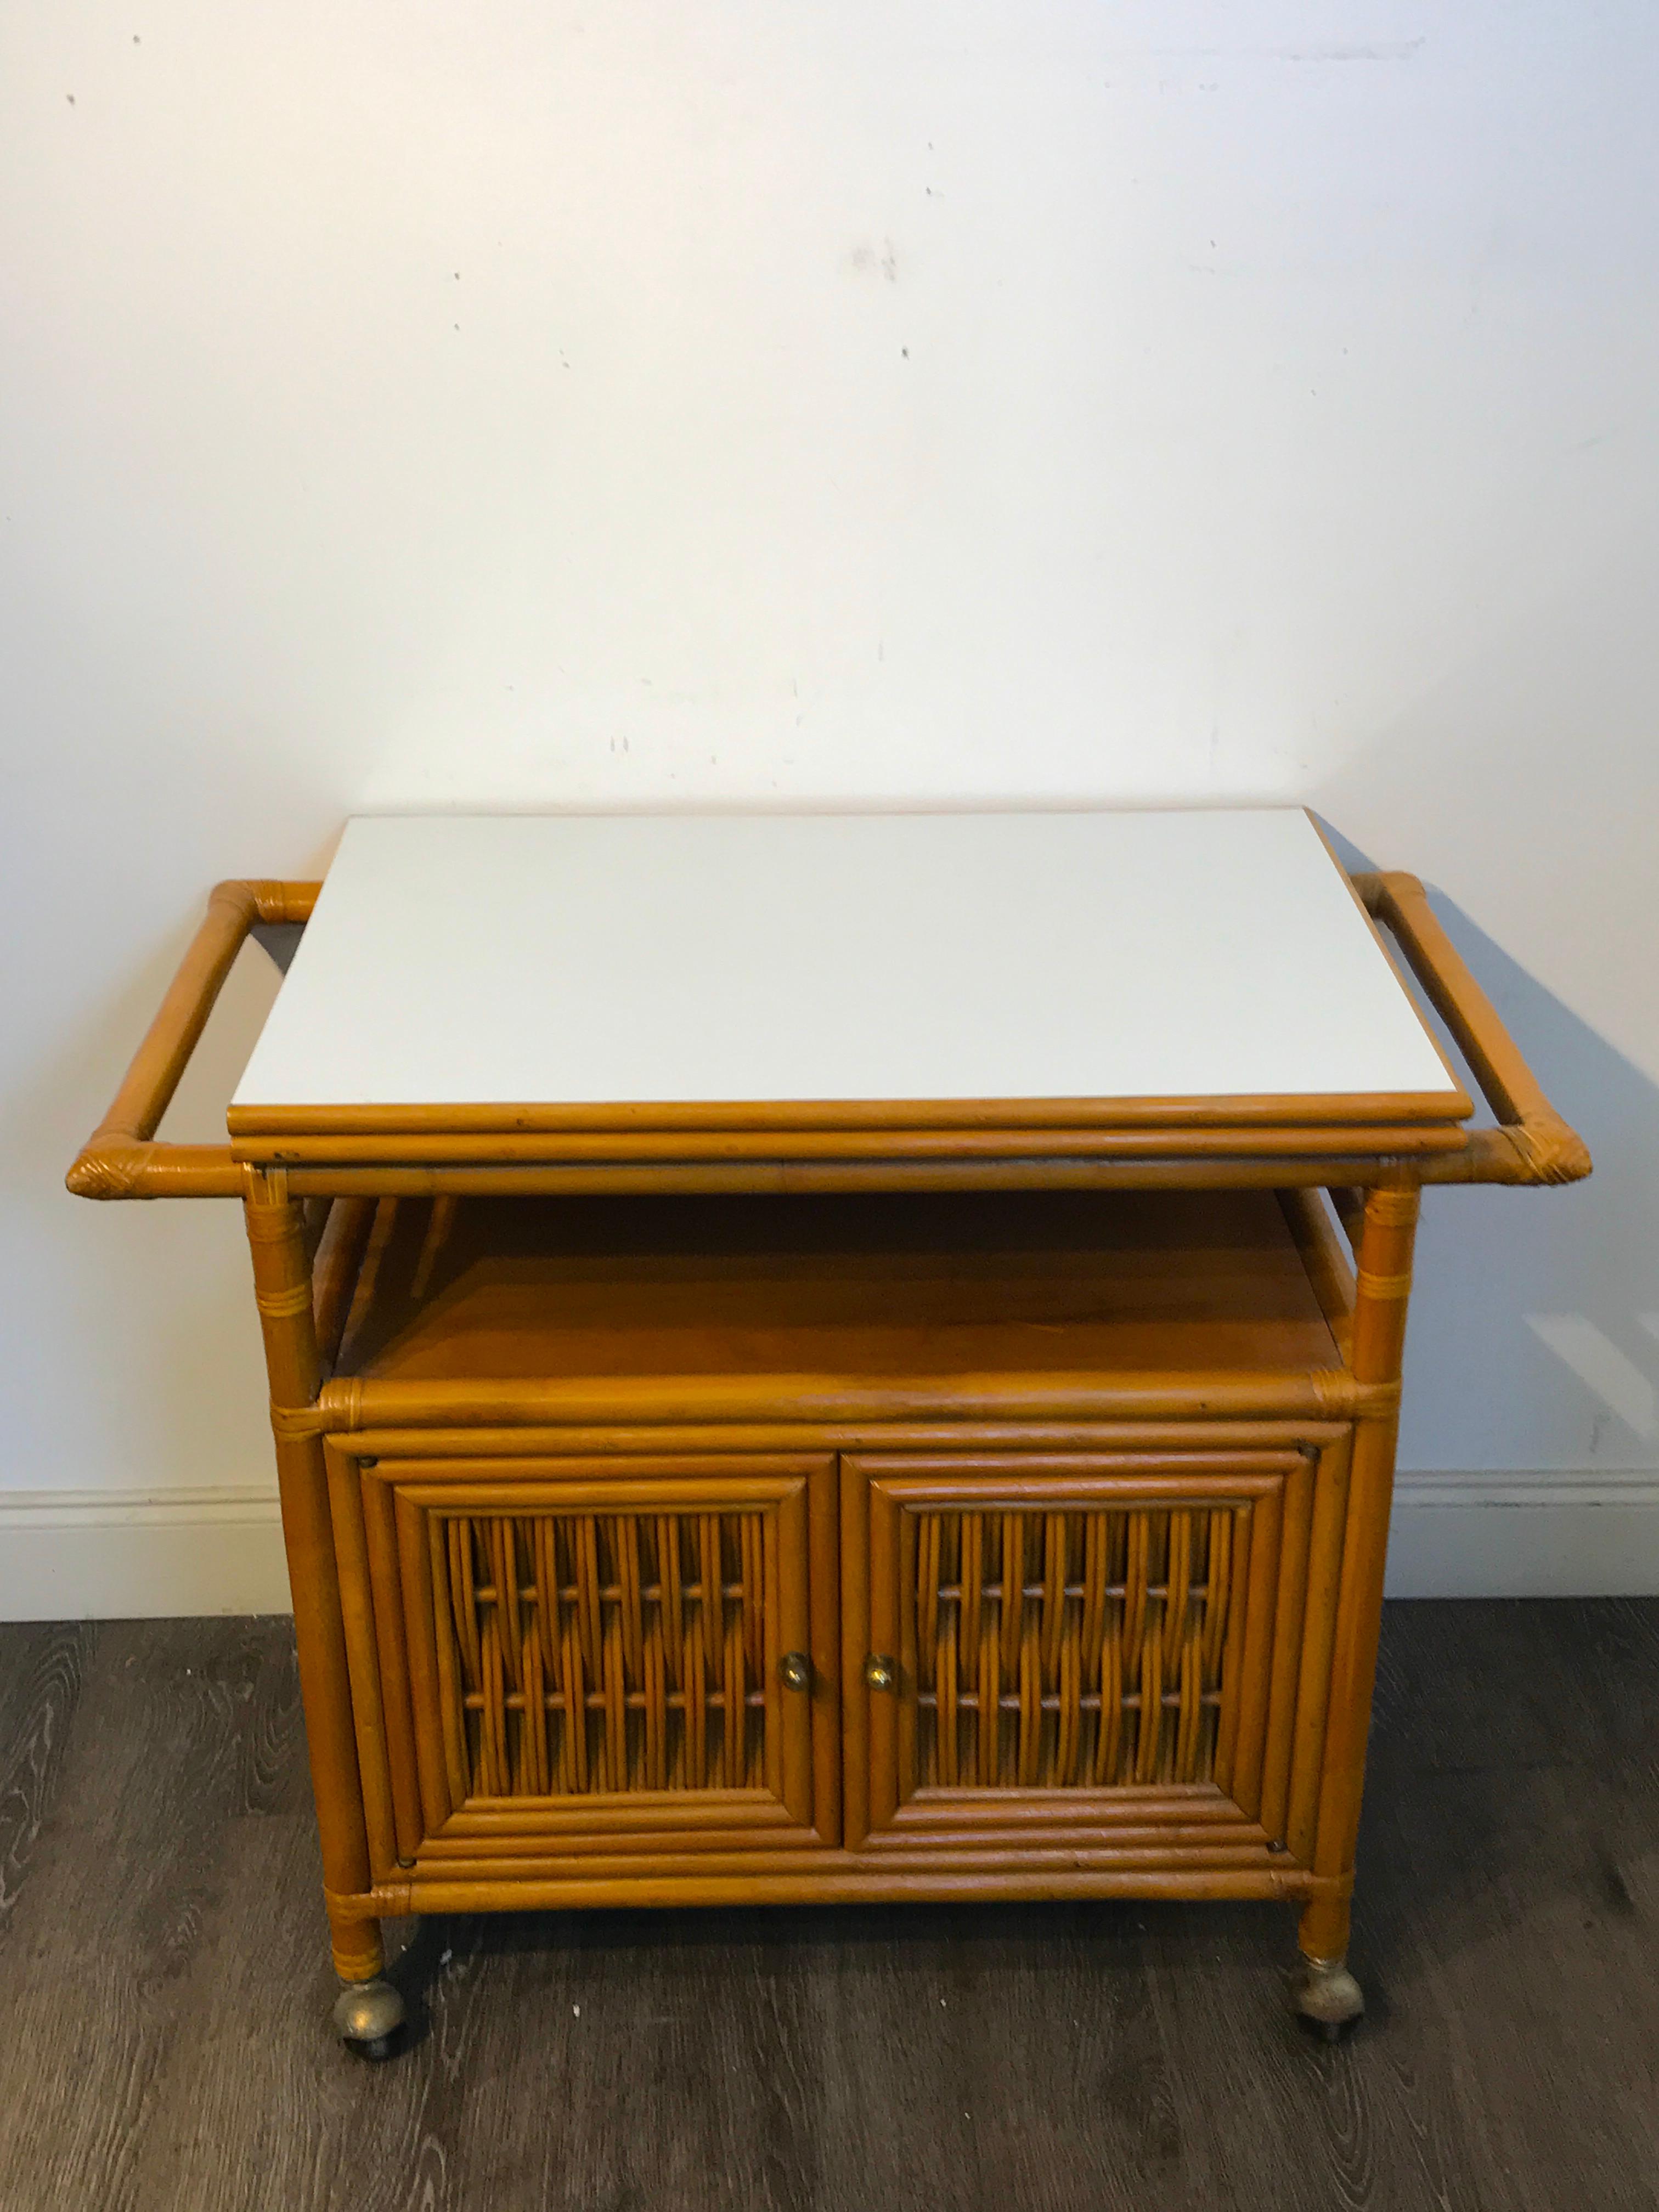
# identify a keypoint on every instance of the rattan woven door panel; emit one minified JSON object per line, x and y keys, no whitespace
{"x":1069,"y":1641}
{"x":592,"y":1656}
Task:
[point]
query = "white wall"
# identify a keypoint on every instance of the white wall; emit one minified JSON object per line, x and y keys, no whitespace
{"x":883,"y":401}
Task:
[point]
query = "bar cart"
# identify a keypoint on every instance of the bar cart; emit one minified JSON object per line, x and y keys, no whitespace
{"x":821,"y":1357}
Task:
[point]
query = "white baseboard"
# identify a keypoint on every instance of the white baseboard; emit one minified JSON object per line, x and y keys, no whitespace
{"x":114,"y":1554}
{"x":139,"y":1554}
{"x":1560,"y":1534}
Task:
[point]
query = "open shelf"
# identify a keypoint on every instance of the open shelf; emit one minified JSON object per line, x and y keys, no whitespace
{"x":875,"y":1285}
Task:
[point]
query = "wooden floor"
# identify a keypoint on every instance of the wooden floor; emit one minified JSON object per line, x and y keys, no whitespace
{"x":163,"y":1990}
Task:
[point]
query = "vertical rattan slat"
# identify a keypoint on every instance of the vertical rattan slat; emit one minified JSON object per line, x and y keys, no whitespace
{"x":363,"y":1655}
{"x":381,"y":1536}
{"x":1287,"y":1647}
{"x":1232,"y":1645}
{"x":440,"y":1759}
{"x":1319,"y":1636}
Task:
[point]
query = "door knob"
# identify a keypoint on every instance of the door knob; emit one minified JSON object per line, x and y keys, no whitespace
{"x":879,"y":1673}
{"x":796,"y":1670}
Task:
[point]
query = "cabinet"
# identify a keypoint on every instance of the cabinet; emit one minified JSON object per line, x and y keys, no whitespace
{"x":914,"y":1493}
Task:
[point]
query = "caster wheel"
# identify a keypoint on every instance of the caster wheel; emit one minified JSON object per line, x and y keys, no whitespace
{"x":1328,"y":1997}
{"x":367,"y":2015}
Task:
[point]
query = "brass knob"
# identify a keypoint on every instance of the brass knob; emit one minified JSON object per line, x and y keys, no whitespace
{"x":879,"y":1673}
{"x":796,"y":1670}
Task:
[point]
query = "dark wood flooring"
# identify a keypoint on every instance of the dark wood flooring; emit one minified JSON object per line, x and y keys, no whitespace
{"x":164,"y":1989}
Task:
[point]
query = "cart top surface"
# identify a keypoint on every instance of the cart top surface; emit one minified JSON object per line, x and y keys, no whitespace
{"x":1120,"y":962}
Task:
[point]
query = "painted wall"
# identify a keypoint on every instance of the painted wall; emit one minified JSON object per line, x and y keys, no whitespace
{"x":921,"y":402}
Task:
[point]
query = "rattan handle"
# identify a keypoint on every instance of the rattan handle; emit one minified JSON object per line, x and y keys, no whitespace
{"x":121,"y":1158}
{"x":1532,"y":1143}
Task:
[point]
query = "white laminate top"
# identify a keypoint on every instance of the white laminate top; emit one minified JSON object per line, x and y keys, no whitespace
{"x":523,"y":959}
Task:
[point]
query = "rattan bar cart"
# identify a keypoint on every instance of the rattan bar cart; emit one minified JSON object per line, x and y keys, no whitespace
{"x":708,"y":1481}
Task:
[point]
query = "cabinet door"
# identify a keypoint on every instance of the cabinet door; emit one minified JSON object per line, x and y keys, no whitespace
{"x":1068,"y":1641}
{"x":590,"y":1657}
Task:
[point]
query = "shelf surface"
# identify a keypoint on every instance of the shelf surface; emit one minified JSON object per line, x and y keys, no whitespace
{"x":599,"y":968}
{"x":875,"y":1287}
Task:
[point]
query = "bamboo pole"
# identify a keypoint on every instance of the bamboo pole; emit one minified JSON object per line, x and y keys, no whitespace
{"x":283,"y":1291}
{"x":1384,"y":1286}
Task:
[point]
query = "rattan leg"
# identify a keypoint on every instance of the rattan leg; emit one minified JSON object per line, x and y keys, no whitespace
{"x":1324,"y":1991}
{"x":358,"y":1954}
{"x":369,"y":2010}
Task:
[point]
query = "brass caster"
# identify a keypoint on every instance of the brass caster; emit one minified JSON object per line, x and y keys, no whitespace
{"x":367,"y":2015}
{"x":1327,"y":1996}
